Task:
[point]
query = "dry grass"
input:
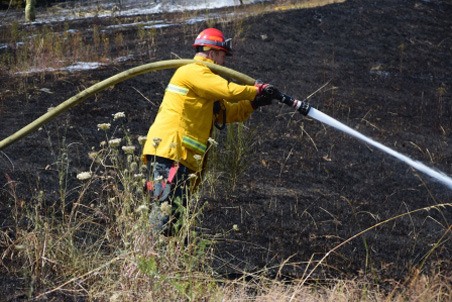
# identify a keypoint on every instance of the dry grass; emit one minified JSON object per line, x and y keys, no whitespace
{"x":52,"y":47}
{"x":99,"y":246}
{"x":419,"y":288}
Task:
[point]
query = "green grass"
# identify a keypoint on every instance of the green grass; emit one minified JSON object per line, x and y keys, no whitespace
{"x":228,"y":163}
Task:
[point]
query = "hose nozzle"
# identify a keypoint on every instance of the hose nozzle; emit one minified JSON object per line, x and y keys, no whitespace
{"x":301,"y":106}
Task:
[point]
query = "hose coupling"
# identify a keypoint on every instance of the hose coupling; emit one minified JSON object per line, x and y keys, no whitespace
{"x":301,"y":106}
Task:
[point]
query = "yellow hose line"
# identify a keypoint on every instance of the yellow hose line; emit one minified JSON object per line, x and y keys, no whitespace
{"x":120,"y":77}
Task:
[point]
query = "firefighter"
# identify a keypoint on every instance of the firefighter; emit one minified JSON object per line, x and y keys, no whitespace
{"x":195,"y":100}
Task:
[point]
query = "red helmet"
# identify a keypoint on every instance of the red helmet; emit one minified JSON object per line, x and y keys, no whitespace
{"x":213,"y":38}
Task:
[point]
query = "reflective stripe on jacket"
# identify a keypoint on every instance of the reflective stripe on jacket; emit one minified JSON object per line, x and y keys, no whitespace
{"x":185,"y":118}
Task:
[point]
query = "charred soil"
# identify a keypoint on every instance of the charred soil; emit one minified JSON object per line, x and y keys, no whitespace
{"x":307,"y":187}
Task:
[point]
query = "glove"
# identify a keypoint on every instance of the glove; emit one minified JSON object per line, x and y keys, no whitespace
{"x":265,"y":94}
{"x":267,"y":90}
{"x":261,"y":100}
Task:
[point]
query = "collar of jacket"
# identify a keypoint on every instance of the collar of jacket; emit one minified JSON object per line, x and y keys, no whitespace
{"x":203,"y":59}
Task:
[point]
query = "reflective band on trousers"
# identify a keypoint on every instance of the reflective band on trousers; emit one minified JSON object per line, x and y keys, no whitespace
{"x":177,"y":89}
{"x":194,"y":144}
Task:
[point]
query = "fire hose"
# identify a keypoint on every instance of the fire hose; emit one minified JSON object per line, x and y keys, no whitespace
{"x":128,"y":74}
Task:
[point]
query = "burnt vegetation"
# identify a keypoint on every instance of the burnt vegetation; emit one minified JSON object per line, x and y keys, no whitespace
{"x":306,"y":189}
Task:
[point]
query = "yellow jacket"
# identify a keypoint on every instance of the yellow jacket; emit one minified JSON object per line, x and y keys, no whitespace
{"x":185,"y":118}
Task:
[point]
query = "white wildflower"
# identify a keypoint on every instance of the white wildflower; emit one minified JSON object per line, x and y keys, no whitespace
{"x":114,"y":142}
{"x":84,"y":175}
{"x":235,"y":228}
{"x":192,"y":175}
{"x":138,"y":175}
{"x":158,"y":178}
{"x":133,"y":166}
{"x":92,"y":155}
{"x":142,"y":139}
{"x":165,"y":208}
{"x":156,"y":141}
{"x":103,"y":126}
{"x":142,"y":208}
{"x":212,"y":141}
{"x":118,"y":115}
{"x":128,"y":149}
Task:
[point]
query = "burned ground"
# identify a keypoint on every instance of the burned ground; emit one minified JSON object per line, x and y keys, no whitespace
{"x":307,"y":187}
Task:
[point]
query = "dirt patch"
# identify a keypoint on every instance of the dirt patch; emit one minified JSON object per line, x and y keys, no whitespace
{"x":308,"y":187}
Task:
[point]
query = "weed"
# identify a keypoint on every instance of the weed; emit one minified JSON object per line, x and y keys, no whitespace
{"x":228,"y":163}
{"x":401,"y":48}
{"x":61,"y":153}
{"x":360,"y":234}
{"x":71,"y":248}
{"x":441,"y":91}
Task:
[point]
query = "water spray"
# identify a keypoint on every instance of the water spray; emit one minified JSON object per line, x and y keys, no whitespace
{"x":306,"y":109}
